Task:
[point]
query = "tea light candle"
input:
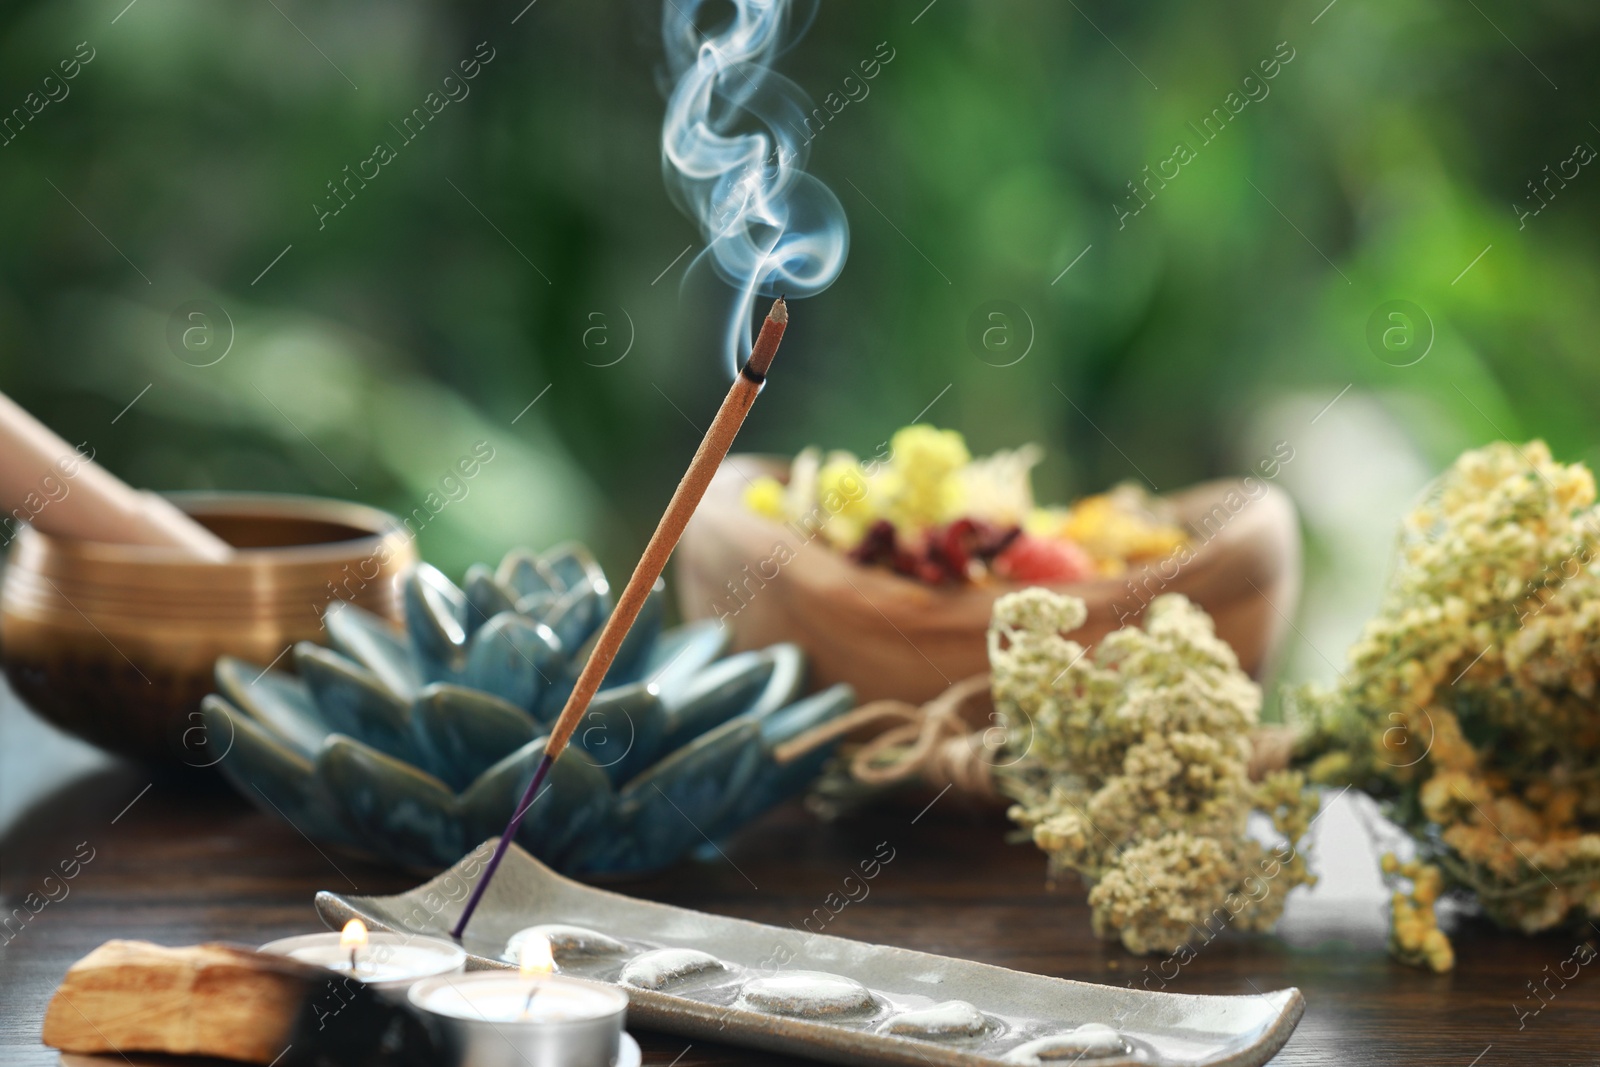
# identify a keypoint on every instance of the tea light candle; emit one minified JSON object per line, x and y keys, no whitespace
{"x":530,"y":1019}
{"x":382,"y":960}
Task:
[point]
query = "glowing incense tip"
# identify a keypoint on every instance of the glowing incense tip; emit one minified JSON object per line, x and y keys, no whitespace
{"x":766,"y":346}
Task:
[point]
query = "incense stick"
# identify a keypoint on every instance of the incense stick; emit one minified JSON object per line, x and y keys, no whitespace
{"x":713,"y":448}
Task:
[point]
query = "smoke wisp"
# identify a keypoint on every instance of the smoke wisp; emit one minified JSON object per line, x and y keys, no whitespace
{"x":734,"y":151}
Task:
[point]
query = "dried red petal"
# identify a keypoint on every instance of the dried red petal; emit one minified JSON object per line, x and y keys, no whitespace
{"x":1043,"y":559}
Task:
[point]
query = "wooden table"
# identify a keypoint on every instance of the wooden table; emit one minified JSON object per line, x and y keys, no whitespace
{"x":177,"y":862}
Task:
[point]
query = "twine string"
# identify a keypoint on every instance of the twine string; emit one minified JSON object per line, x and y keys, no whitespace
{"x":951,"y":740}
{"x":956,"y":739}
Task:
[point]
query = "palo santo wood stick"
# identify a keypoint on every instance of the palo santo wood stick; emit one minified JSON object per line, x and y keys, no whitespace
{"x":228,"y":1002}
{"x":49,"y":484}
{"x":707,"y":458}
{"x":208,"y":1000}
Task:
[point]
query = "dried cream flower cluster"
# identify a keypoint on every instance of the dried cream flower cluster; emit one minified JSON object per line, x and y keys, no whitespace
{"x":1470,"y":697}
{"x":1131,"y":768}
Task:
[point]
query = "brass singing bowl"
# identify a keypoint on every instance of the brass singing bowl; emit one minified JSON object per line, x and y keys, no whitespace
{"x":116,"y":643}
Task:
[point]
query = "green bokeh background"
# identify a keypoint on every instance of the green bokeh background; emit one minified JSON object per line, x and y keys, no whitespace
{"x":989,"y":153}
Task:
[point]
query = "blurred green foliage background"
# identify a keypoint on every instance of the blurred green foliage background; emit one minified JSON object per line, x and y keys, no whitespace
{"x":371,"y":349}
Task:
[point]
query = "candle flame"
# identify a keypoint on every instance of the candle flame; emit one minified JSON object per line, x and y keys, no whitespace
{"x":534,"y":958}
{"x":353,"y":936}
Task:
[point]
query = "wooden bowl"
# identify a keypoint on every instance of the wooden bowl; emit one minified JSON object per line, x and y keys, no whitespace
{"x":892,"y":637}
{"x":116,"y":643}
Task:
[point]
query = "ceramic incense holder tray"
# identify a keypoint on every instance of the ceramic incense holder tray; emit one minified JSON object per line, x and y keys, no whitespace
{"x":827,"y":998}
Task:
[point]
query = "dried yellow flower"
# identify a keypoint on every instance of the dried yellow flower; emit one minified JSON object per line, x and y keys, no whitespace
{"x":765,"y":497}
{"x":1123,"y":525}
{"x":1131,"y":768}
{"x":1469,"y":700}
{"x":846,"y":493}
{"x":928,"y":462}
{"x":1414,"y":934}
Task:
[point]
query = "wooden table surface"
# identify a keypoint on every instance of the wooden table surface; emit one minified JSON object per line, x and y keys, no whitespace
{"x":176,"y":863}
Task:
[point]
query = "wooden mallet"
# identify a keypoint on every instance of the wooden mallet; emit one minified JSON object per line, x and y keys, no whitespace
{"x":58,"y":490}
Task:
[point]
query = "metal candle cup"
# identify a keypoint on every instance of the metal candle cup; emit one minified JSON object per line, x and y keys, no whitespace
{"x":390,"y":962}
{"x":488,"y":1020}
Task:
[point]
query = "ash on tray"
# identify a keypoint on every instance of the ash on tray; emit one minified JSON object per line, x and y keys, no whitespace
{"x":697,"y":975}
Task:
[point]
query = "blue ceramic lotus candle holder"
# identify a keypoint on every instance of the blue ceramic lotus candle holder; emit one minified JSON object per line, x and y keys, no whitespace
{"x":415,"y":745}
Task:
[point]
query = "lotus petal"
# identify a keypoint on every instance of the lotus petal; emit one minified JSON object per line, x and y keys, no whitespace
{"x":408,"y":814}
{"x":467,"y":731}
{"x":574,"y":565}
{"x":352,"y":700}
{"x":623,"y":730}
{"x":537,"y":605}
{"x":787,"y":681}
{"x":661,"y":813}
{"x":374,"y":644}
{"x":573,"y":807}
{"x":682,"y":653}
{"x":278,"y":702}
{"x":716,"y":695}
{"x":577,"y":615}
{"x":628,"y":666}
{"x":486,"y":597}
{"x":515,"y":658}
{"x":275,"y":778}
{"x":524,"y":574}
{"x":781,"y":780}
{"x":436,"y":613}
